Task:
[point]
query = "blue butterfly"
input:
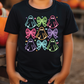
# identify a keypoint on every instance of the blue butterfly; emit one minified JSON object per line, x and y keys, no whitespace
{"x":43,"y":44}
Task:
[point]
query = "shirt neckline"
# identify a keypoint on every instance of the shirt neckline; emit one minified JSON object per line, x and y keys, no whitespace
{"x":40,"y":10}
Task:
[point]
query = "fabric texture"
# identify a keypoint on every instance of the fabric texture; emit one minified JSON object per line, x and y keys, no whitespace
{"x":40,"y":38}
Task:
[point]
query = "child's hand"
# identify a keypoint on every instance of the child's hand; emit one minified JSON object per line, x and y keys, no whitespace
{"x":58,"y":78}
{"x":15,"y":78}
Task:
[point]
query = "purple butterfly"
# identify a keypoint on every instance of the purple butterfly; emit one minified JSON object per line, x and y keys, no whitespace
{"x":52,"y":32}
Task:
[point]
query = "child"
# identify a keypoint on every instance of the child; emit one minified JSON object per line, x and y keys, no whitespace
{"x":42,"y":30}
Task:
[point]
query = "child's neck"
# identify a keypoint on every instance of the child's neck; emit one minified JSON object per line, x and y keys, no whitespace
{"x":40,"y":4}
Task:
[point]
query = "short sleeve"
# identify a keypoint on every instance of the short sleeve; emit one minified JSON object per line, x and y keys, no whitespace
{"x":70,"y":26}
{"x":12,"y":25}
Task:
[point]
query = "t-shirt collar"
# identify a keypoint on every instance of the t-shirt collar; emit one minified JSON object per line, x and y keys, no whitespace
{"x":40,"y":10}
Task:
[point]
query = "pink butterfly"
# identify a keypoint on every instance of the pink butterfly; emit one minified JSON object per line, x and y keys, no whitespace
{"x":30,"y":32}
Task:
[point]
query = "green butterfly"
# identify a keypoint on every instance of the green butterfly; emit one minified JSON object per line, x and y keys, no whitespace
{"x":41,"y":21}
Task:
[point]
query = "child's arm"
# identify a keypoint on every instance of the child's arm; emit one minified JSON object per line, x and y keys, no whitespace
{"x":11,"y":48}
{"x":67,"y":53}
{"x":60,"y":77}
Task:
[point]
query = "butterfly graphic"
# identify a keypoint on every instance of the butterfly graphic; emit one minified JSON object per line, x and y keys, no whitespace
{"x":41,"y":44}
{"x":52,"y":32}
{"x":41,"y":21}
{"x":32,"y":33}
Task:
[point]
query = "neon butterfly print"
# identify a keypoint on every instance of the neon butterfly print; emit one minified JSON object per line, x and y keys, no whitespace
{"x":41,"y":44}
{"x":41,"y":21}
{"x":52,"y":23}
{"x":30,"y":46}
{"x":52,"y":32}
{"x":30,"y":23}
{"x":32,"y":33}
{"x":52,"y":46}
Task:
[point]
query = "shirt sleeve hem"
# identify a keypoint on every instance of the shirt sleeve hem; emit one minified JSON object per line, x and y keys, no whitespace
{"x":11,"y":32}
{"x":70,"y":32}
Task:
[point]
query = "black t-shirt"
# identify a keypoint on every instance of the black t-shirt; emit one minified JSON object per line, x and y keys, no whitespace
{"x":40,"y":38}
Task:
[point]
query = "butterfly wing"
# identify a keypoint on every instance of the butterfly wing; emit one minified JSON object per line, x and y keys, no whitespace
{"x":49,"y":31}
{"x":38,"y":44}
{"x":38,"y":21}
{"x":27,"y":31}
{"x":55,"y":32}
{"x":44,"y":44}
{"x":33,"y":33}
{"x":44,"y":21}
